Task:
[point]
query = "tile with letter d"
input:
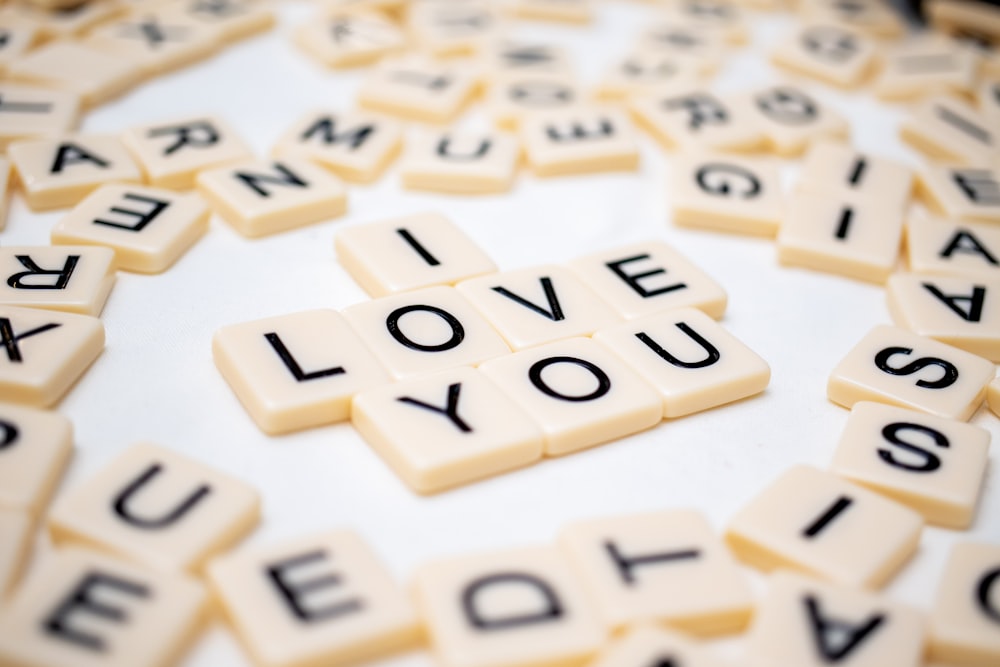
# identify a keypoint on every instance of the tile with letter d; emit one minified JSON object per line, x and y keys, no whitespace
{"x":16,"y":537}
{"x":75,"y":67}
{"x":792,"y":119}
{"x":946,"y":129}
{"x":158,"y":508}
{"x":418,"y":88}
{"x":839,"y":169}
{"x":693,"y":118}
{"x":28,"y":112}
{"x":350,"y":38}
{"x":941,"y":247}
{"x":74,"y":279}
{"x":965,"y":618}
{"x":648,"y":644}
{"x":962,"y":193}
{"x":828,"y":52}
{"x":578,"y":140}
{"x":461,"y":162}
{"x":323,"y":599}
{"x":816,"y":522}
{"x":35,"y":448}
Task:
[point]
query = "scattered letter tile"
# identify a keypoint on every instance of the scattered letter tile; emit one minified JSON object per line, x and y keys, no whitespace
{"x":94,"y":75}
{"x":349,"y":39}
{"x":962,"y":193}
{"x":30,"y":112}
{"x":828,"y":52}
{"x":965,"y":620}
{"x":419,"y":88}
{"x":16,"y":537}
{"x":578,"y":140}
{"x":839,"y":169}
{"x":73,"y":279}
{"x":948,"y":130}
{"x":35,"y":448}
{"x":461,"y":162}
{"x":694,"y":119}
{"x":648,"y":644}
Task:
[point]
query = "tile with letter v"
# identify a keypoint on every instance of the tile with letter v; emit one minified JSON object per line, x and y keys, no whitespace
{"x":74,"y":279}
{"x":35,"y":448}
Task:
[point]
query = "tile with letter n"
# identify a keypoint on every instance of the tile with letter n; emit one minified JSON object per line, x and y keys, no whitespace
{"x":965,"y":618}
{"x":828,"y":52}
{"x":80,"y":608}
{"x":838,"y":169}
{"x":946,"y":129}
{"x":694,"y":119}
{"x":295,"y":371}
{"x":349,"y":38}
{"x":155,"y":41}
{"x":514,"y":95}
{"x":932,"y":65}
{"x":578,"y":140}
{"x":74,"y":279}
{"x":416,"y":87}
{"x":35,"y":448}
{"x":942,"y":247}
{"x":461,"y":162}
{"x":28,"y":112}
{"x":94,"y":75}
{"x":815,"y":522}
{"x":653,"y":645}
{"x":156,"y":507}
{"x":793,"y":119}
{"x":16,"y":537}
{"x":324,"y":599}
{"x":962,"y":193}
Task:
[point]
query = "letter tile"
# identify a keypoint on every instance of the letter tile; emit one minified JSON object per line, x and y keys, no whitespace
{"x":73,"y":279}
{"x":401,"y":254}
{"x":645,"y":72}
{"x":5,"y":189}
{"x":888,"y":366}
{"x":838,"y":169}
{"x":514,"y":96}
{"x":261,"y":197}
{"x":79,"y":608}
{"x":453,"y":29}
{"x":446,"y":429}
{"x":158,"y":508}
{"x":942,"y":247}
{"x":558,"y":11}
{"x":578,"y":392}
{"x":705,"y":48}
{"x":94,"y":75}
{"x":653,"y":645}
{"x":809,"y":623}
{"x":65,"y":22}
{"x":962,"y":193}
{"x":793,"y":120}
{"x":349,"y":39}
{"x":926,"y":66}
{"x":828,"y":52}
{"x":35,"y":448}
{"x":418,"y":88}
{"x":46,"y":352}
{"x":965,"y":619}
{"x":664,"y":567}
{"x":722,"y":17}
{"x":29,"y":112}
{"x":229,"y":20}
{"x":507,"y":609}
{"x":874,"y":19}
{"x":320,"y":600}
{"x":426,"y":330}
{"x":15,"y":40}
{"x":507,"y":57}
{"x":579,"y":140}
{"x":931,"y":464}
{"x":948,"y":130}
{"x":993,"y":396}
{"x":815,"y":522}
{"x":461,"y":162}
{"x":16,"y":537}
{"x":988,"y":98}
{"x":156,"y":42}
{"x":694,"y":119}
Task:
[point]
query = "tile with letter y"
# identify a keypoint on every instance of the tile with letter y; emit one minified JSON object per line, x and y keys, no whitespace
{"x":28,"y":112}
{"x":647,"y":644}
{"x":965,"y":618}
{"x":827,"y":52}
{"x":74,"y":279}
{"x":461,"y":162}
{"x":579,"y":139}
{"x":35,"y":449}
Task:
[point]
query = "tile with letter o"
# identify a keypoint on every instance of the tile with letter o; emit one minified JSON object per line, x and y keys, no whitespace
{"x":515,"y":95}
{"x":828,"y":52}
{"x":793,"y":119}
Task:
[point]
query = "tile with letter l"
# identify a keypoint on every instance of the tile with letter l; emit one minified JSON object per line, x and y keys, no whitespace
{"x":839,"y":169}
{"x":693,"y":118}
{"x":16,"y":537}
{"x":324,"y":599}
{"x":945,"y":129}
{"x":35,"y":448}
{"x":73,"y":66}
{"x":689,"y":358}
{"x":898,"y":367}
{"x":31,"y":112}
{"x":965,"y":618}
{"x":578,"y":392}
{"x":418,"y":88}
{"x":936,"y":246}
{"x":461,"y":162}
{"x":932,"y":65}
{"x":446,"y":429}
{"x":80,"y":608}
{"x":158,"y":508}
{"x":349,"y":39}
{"x":815,"y":522}
{"x":962,"y":193}
{"x":295,"y":371}
{"x":648,"y":644}
{"x":664,"y":567}
{"x":934,"y":465}
{"x":793,"y":120}
{"x":73,"y":279}
{"x":507,"y":609}
{"x":578,"y":140}
{"x":828,"y":52}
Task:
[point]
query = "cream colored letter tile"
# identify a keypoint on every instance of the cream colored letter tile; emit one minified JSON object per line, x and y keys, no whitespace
{"x":507,"y":57}
{"x":838,"y":169}
{"x":446,"y":29}
{"x":5,"y":189}
{"x":318,"y":600}
{"x":16,"y":537}
{"x":652,"y":645}
{"x":898,"y":367}
{"x":705,"y":48}
{"x":694,"y":119}
{"x":988,"y":98}
{"x":965,"y":620}
{"x":579,"y":140}
{"x":949,"y":130}
{"x":35,"y":448}
{"x":827,"y":52}
{"x":558,"y":11}
{"x":28,"y":112}
{"x":154,"y":41}
{"x":646,"y":71}
{"x":94,"y":75}
{"x":926,"y":66}
{"x":295,"y":371}
{"x":349,"y":39}
{"x":993,"y":396}
{"x":61,"y":20}
{"x":962,"y":193}
{"x":578,"y":392}
{"x":941,"y":247}
{"x":516,"y":95}
{"x":722,"y":17}
{"x":461,"y":162}
{"x":229,"y":20}
{"x":73,"y":279}
{"x":793,"y":119}
{"x":875,"y":19}
{"x":418,"y":88}
{"x":400,"y":254}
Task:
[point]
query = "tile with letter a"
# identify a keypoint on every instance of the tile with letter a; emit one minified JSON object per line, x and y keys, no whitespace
{"x":80,"y":608}
{"x":172,"y":153}
{"x":442,"y":430}
{"x":147,"y":228}
{"x":262,"y":197}
{"x":692,"y":361}
{"x":507,"y":609}
{"x":324,"y":599}
{"x":228,"y":20}
{"x":927,"y":66}
{"x":839,"y":169}
{"x":695,"y":119}
{"x":28,"y":112}
{"x":942,"y":247}
{"x":579,"y":140}
{"x":461,"y":162}
{"x":965,"y":619}
{"x":16,"y":537}
{"x":648,"y":644}
{"x":349,"y":39}
{"x":646,"y":72}
{"x":158,"y":508}
{"x":792,"y":119}
{"x":962,"y":193}
{"x":578,"y":392}
{"x":295,"y":371}
{"x":948,"y":130}
{"x":809,"y":623}
{"x":898,"y":367}
{"x":35,"y":448}
{"x":94,"y":75}
{"x":827,"y":52}
{"x":664,"y":567}
{"x":418,"y":88}
{"x":400,"y":254}
{"x":514,"y":96}
{"x":59,"y":172}
{"x":932,"y":464}
{"x":816,"y":522}
{"x":73,"y":279}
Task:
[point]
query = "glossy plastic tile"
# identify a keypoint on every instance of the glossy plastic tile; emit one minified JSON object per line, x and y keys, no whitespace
{"x":65,"y":20}
{"x":28,"y":112}
{"x":557,"y":11}
{"x":349,"y":39}
{"x":647,"y":72}
{"x":155,"y":42}
{"x":875,"y":19}
{"x":694,"y":119}
{"x":962,"y":193}
{"x":16,"y":537}
{"x":926,"y":66}
{"x":993,"y":396}
{"x":579,"y":140}
{"x":517,"y":57}
{"x":988,"y":99}
{"x":941,"y":247}
{"x":73,"y":279}
{"x":35,"y":448}
{"x":514,"y":96}
{"x":461,"y":162}
{"x":839,"y":169}
{"x":965,"y":619}
{"x":721,"y":17}
{"x":794,"y":120}
{"x":5,"y":188}
{"x":705,"y":48}
{"x":652,"y":645}
{"x":827,"y":52}
{"x":94,"y":75}
{"x":418,"y":88}
{"x":229,"y":20}
{"x":453,"y":29}
{"x":949,"y":130}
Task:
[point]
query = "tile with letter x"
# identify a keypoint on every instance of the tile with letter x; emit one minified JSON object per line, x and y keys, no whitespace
{"x":965,"y":619}
{"x":35,"y":448}
{"x":579,"y":139}
{"x":74,"y":279}
{"x":648,"y":644}
{"x":942,"y":247}
{"x":28,"y":112}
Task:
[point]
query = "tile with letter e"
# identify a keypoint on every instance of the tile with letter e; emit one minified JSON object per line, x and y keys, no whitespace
{"x":262,"y":197}
{"x":158,"y":508}
{"x":941,"y":247}
{"x":694,"y":119}
{"x":59,"y":172}
{"x":147,"y":228}
{"x":425,"y":330}
{"x":446,"y":429}
{"x":839,"y":169}
{"x":962,"y":193}
{"x":323,"y":599}
{"x":418,"y":88}
{"x":45,"y":352}
{"x":94,"y":75}
{"x":228,"y":20}
{"x":828,"y":52}
{"x":816,"y":522}
{"x":154,"y":41}
{"x":579,"y":140}
{"x":578,"y":392}
{"x":898,"y":367}
{"x":965,"y":618}
{"x":793,"y":120}
{"x":349,"y":39}
{"x":295,"y":371}
{"x":73,"y":279}
{"x":80,"y":608}
{"x":926,"y":66}
{"x":949,"y":130}
{"x":809,"y":623}
{"x":647,"y":72}
{"x":507,"y":609}
{"x":931,"y":464}
{"x":35,"y":448}
{"x":512,"y":97}
{"x":648,"y":644}
{"x":691,"y":360}
{"x":660,"y":567}
{"x":16,"y":537}
{"x":400,"y":254}
{"x":461,"y":162}
{"x":28,"y":112}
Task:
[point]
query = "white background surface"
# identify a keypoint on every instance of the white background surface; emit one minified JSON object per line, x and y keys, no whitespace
{"x":156,"y":381}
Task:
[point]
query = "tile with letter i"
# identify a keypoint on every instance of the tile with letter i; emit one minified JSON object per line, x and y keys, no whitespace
{"x":35,"y":449}
{"x":295,"y":371}
{"x":324,"y":599}
{"x":965,"y":618}
{"x":926,"y":66}
{"x":155,"y":42}
{"x":453,"y":29}
{"x":228,"y":20}
{"x":793,"y":120}
{"x":579,"y":140}
{"x":513,"y":96}
{"x":648,"y":644}
{"x":158,"y":508}
{"x":507,"y":609}
{"x":418,"y":88}
{"x":28,"y":112}
{"x":664,"y":567}
{"x":94,"y":75}
{"x":949,"y":130}
{"x":508,"y":57}
{"x":349,"y":39}
{"x":839,"y":169}
{"x":16,"y":537}
{"x":80,"y":608}
{"x":400,"y":254}
{"x":693,"y":118}
{"x":809,"y":623}
{"x":828,"y":52}
{"x":73,"y":279}
{"x":558,"y":11}
{"x":647,"y":72}
{"x":962,"y":193}
{"x":815,"y":522}
{"x":898,"y":367}
{"x":461,"y":162}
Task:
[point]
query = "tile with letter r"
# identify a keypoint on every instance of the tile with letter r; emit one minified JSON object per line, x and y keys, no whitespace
{"x":962,"y":193}
{"x":792,"y":119}
{"x":415,"y":87}
{"x":648,"y":644}
{"x":35,"y":449}
{"x":946,"y":129}
{"x":30,"y":112}
{"x":965,"y":618}
{"x":16,"y":537}
{"x":73,"y":279}
{"x":323,"y":599}
{"x":923,"y":66}
{"x":831,"y":53}
{"x":349,"y":38}
{"x":693,"y":118}
{"x":73,"y":66}
{"x":578,"y":140}
{"x":513,"y":96}
{"x":838,"y":169}
{"x":461,"y":162}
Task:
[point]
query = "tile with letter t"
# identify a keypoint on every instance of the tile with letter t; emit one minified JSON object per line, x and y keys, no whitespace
{"x":792,"y":119}
{"x":693,"y":118}
{"x":73,"y":279}
{"x":419,"y":88}
{"x":35,"y":448}
{"x":962,"y":193}
{"x":946,"y":129}
{"x":262,"y":197}
{"x":936,"y":246}
{"x":838,"y":169}
{"x":513,"y":96}
{"x":94,"y":75}
{"x":156,"y":42}
{"x":28,"y":112}
{"x":511,"y":57}
{"x":664,"y":567}
{"x":461,"y":162}
{"x":158,"y":508}
{"x":827,"y":52}
{"x":349,"y":39}
{"x":934,"y":465}
{"x":16,"y":537}
{"x":324,"y":599}
{"x":931,"y":65}
{"x":295,"y":371}
{"x":578,"y":140}
{"x":80,"y":608}
{"x":648,"y":644}
{"x":898,"y":367}
{"x":965,"y":618}
{"x":507,"y":609}
{"x":446,"y":429}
